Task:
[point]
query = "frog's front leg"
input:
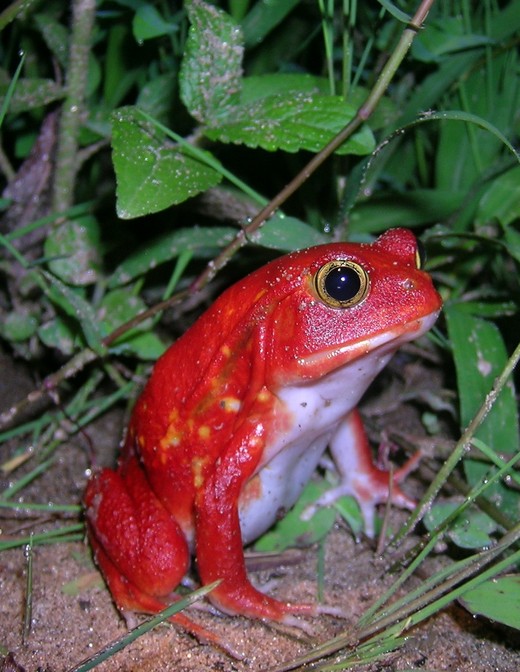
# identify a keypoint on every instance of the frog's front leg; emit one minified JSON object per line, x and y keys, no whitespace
{"x":219,"y":548}
{"x":360,"y":478}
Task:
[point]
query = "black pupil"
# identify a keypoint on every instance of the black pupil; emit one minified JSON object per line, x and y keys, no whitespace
{"x":342,"y":283}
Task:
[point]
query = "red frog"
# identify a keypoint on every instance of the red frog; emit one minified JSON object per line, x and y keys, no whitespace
{"x":238,"y":412}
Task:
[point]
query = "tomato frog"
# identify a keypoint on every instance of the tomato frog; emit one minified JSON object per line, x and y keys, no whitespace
{"x":239,"y":411}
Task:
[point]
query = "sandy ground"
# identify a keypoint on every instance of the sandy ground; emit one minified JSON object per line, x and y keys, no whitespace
{"x":73,"y":616}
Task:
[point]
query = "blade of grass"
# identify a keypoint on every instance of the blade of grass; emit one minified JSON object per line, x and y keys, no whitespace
{"x":68,"y":533}
{"x":426,"y":605}
{"x":74,"y":212}
{"x":433,"y":537}
{"x":25,"y":480}
{"x":13,"y":251}
{"x":140,"y":630}
{"x":456,"y":579}
{"x":10,"y":89}
{"x":467,"y":117}
{"x":47,"y":508}
{"x":27,"y":619}
{"x":460,"y":449}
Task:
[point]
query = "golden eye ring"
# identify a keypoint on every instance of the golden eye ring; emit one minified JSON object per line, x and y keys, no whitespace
{"x":341,"y":283}
{"x":420,"y":255}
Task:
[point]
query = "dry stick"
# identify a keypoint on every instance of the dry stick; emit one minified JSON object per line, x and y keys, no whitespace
{"x":363,"y":113}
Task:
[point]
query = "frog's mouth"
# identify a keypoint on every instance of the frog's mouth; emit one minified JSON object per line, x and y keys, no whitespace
{"x":377,"y":346}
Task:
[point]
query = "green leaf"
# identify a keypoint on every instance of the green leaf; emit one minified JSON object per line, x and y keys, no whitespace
{"x":119,"y":306}
{"x":257,"y":87}
{"x":12,"y":11}
{"x":157,"y":96}
{"x":73,"y":303}
{"x":118,"y":77}
{"x":73,"y":249}
{"x":31,"y":93}
{"x":480,"y":355}
{"x":411,"y":209}
{"x":512,"y":238}
{"x":56,"y":37}
{"x":504,"y":497}
{"x":287,"y":234}
{"x":445,"y":37}
{"x":292,"y":531}
{"x":148,"y":24}
{"x":462,"y":157}
{"x":471,"y":529}
{"x":18,"y":326}
{"x":151,"y":173}
{"x":211,"y":70}
{"x":202,"y":241}
{"x":498,"y":600}
{"x":263,"y":17}
{"x":292,"y":122}
{"x":58,"y":334}
{"x":395,"y":11}
{"x":147,"y":346}
{"x":501,"y":201}
{"x":349,"y":510}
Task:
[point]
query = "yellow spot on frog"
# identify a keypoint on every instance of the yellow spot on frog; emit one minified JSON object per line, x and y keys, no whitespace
{"x":197,"y":467}
{"x":263,"y":396}
{"x":204,"y":432}
{"x":174,"y":416}
{"x":226,"y":350}
{"x":172,"y":437}
{"x":230,"y":404}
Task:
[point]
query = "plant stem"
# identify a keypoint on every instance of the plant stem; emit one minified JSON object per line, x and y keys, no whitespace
{"x":73,"y":111}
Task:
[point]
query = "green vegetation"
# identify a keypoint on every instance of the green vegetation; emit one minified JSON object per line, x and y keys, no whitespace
{"x":139,"y":140}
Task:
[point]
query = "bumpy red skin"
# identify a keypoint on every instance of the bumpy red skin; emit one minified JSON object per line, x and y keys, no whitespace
{"x":201,"y":426}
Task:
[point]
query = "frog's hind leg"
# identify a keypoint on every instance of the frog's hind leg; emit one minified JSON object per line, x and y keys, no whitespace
{"x":127,"y":596}
{"x":143,"y":542}
{"x":130,"y":599}
{"x":139,"y":548}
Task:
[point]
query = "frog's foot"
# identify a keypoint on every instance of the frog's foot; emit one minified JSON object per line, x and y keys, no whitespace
{"x":359,"y":476}
{"x":318,"y":610}
{"x":369,"y":489}
{"x":130,"y":600}
{"x":294,"y":613}
{"x":246,"y":600}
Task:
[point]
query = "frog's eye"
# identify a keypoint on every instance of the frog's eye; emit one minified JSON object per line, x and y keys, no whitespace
{"x":420,"y":255}
{"x":341,"y":283}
